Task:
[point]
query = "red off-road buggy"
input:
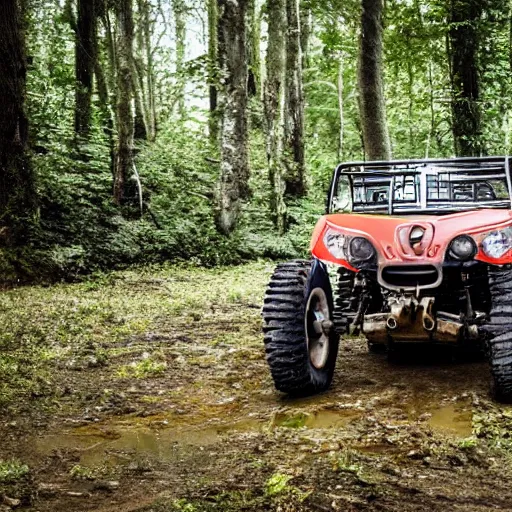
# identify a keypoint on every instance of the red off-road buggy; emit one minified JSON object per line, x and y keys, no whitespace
{"x":409,"y":251}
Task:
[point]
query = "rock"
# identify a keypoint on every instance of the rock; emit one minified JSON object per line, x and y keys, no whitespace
{"x":106,"y":485}
{"x":11,"y":502}
{"x":457,"y":459}
{"x":416,"y":455}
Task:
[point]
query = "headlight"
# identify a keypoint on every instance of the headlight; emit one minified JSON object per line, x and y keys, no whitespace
{"x":336,"y":243}
{"x":355,"y":250}
{"x":462,"y":248}
{"x":497,"y":243}
{"x":360,"y":250}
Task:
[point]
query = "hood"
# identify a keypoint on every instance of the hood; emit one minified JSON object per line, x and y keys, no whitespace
{"x":391,"y":236}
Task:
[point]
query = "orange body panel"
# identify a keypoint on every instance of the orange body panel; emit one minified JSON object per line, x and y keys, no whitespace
{"x":387,"y":234}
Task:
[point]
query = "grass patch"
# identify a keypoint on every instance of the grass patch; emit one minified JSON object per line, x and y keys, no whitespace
{"x":12,"y":470}
{"x":44,"y":329}
{"x":150,"y":366}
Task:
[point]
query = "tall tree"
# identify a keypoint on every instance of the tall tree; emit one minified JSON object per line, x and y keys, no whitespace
{"x":274,"y":108}
{"x":294,"y":105}
{"x":371,"y":83}
{"x":105,"y":73}
{"x":85,"y":60}
{"x":17,"y":190}
{"x":180,"y":35}
{"x":464,"y":17}
{"x":306,"y":25}
{"x":125,"y":119}
{"x":149,"y":68}
{"x":253,"y":48}
{"x":234,"y":167}
{"x":213,"y":65}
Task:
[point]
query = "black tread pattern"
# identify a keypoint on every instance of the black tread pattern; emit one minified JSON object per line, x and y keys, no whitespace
{"x":285,"y":337}
{"x":498,"y":332}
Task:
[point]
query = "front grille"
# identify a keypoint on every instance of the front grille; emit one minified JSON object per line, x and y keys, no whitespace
{"x":410,"y":275}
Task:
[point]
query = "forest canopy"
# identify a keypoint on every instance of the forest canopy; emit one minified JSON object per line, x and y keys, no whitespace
{"x":139,"y":131}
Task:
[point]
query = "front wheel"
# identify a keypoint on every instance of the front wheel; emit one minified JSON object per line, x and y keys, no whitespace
{"x":301,"y":343}
{"x":498,"y":333}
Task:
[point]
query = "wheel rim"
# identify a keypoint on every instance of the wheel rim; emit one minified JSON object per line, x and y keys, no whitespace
{"x":318,"y":324}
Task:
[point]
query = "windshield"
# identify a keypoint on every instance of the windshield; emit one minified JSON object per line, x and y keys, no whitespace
{"x":429,"y":189}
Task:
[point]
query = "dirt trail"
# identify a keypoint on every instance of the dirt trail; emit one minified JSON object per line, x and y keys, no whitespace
{"x":160,"y":400}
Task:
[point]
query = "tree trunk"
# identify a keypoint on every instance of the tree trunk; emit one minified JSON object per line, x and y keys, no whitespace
{"x":180,"y":36}
{"x":140,"y":128}
{"x":234,"y":168}
{"x":274,"y":109}
{"x":106,"y":110}
{"x":463,"y":54}
{"x":112,"y":56}
{"x":253,"y":49}
{"x":85,"y":59}
{"x":125,"y":121}
{"x":371,"y":85}
{"x":306,"y":25}
{"x":150,"y":71}
{"x":17,"y":190}
{"x":295,"y":185}
{"x":213,"y":64}
{"x":340,"y":89}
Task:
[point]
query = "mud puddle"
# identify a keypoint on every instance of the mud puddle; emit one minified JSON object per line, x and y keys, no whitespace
{"x":124,"y":440}
{"x":453,"y":419}
{"x":117,"y":444}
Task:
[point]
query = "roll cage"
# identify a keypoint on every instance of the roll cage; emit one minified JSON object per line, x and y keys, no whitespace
{"x":430,"y":186}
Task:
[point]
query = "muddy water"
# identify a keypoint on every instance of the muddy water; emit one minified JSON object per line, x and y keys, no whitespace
{"x":130,"y":439}
{"x":453,"y":419}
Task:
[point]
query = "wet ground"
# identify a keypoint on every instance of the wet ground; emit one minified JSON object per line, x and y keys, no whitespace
{"x":150,"y":392}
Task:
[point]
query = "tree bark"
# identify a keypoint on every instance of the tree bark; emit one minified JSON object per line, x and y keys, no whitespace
{"x":463,"y":45}
{"x":253,"y":49}
{"x":295,"y":185}
{"x":340,"y":88}
{"x":274,"y":109}
{"x":371,"y":85}
{"x":180,"y":36}
{"x":150,"y":71}
{"x":234,"y":167}
{"x":306,"y":23}
{"x":17,"y":189}
{"x":125,"y":120}
{"x":112,"y":56}
{"x":213,"y":67}
{"x":140,"y":131}
{"x":85,"y":58}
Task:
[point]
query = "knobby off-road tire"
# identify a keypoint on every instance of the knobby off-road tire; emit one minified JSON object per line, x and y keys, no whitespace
{"x":295,"y":291}
{"x":498,"y":332}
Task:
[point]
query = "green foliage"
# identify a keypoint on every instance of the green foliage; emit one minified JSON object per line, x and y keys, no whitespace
{"x":494,"y":426}
{"x":277,"y":484}
{"x":148,"y":366}
{"x":81,"y":231}
{"x":12,"y":471}
{"x":79,"y":472}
